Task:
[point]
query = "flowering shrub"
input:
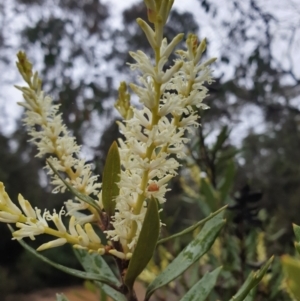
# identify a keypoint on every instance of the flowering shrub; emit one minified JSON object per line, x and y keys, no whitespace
{"x":123,"y":219}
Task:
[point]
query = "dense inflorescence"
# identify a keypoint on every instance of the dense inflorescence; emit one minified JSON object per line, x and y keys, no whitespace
{"x":154,"y":141}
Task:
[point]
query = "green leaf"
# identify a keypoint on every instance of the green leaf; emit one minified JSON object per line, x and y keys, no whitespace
{"x":291,"y":268}
{"x":193,"y":227}
{"x":227,"y":155}
{"x":253,"y":279}
{"x":90,"y":286}
{"x":145,"y":245}
{"x":82,"y":197}
{"x":251,"y":296}
{"x":191,"y":253}
{"x":210,"y":194}
{"x":297,"y":232}
{"x":106,"y":290}
{"x":111,"y":176}
{"x":202,"y":205}
{"x":297,"y":247}
{"x":94,"y":263}
{"x":224,"y":134}
{"x":79,"y":274}
{"x":225,"y":186}
{"x":61,"y":297}
{"x":277,"y":278}
{"x":203,"y":287}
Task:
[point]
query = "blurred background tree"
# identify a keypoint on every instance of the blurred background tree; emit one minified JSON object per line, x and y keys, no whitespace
{"x":80,"y":51}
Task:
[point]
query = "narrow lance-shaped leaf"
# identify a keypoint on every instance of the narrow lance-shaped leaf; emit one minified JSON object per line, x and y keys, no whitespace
{"x":96,"y":264}
{"x":79,"y":274}
{"x":111,"y":176}
{"x":146,"y":243}
{"x":210,"y":194}
{"x":193,"y":227}
{"x":253,"y":279}
{"x":192,"y":252}
{"x":203,"y":287}
{"x":82,"y":197}
{"x":227,"y":182}
{"x":227,"y":155}
{"x":220,"y":140}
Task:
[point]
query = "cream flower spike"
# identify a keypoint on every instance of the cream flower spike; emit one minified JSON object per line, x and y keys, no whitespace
{"x":154,"y":135}
{"x":53,"y":137}
{"x":154,"y":142}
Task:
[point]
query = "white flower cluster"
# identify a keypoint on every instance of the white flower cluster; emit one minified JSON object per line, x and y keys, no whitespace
{"x":32,"y":222}
{"x":156,"y":131}
{"x":154,"y":141}
{"x":52,"y":137}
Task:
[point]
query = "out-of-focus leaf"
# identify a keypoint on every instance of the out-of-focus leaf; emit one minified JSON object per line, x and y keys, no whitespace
{"x":251,"y":296}
{"x":220,"y":140}
{"x":203,"y":206}
{"x":231,"y":253}
{"x":276,"y":235}
{"x":61,"y":297}
{"x":111,"y":176}
{"x":297,"y":232}
{"x":191,"y":253}
{"x":193,"y":227}
{"x":70,"y":271}
{"x":145,"y":245}
{"x":94,"y":263}
{"x":210,"y":194}
{"x":277,"y":277}
{"x":90,"y":286}
{"x":253,"y":279}
{"x":194,"y":275}
{"x":82,"y":197}
{"x":227,"y":155}
{"x":226,"y":184}
{"x":297,"y":247}
{"x":291,"y":268}
{"x":203,"y":287}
